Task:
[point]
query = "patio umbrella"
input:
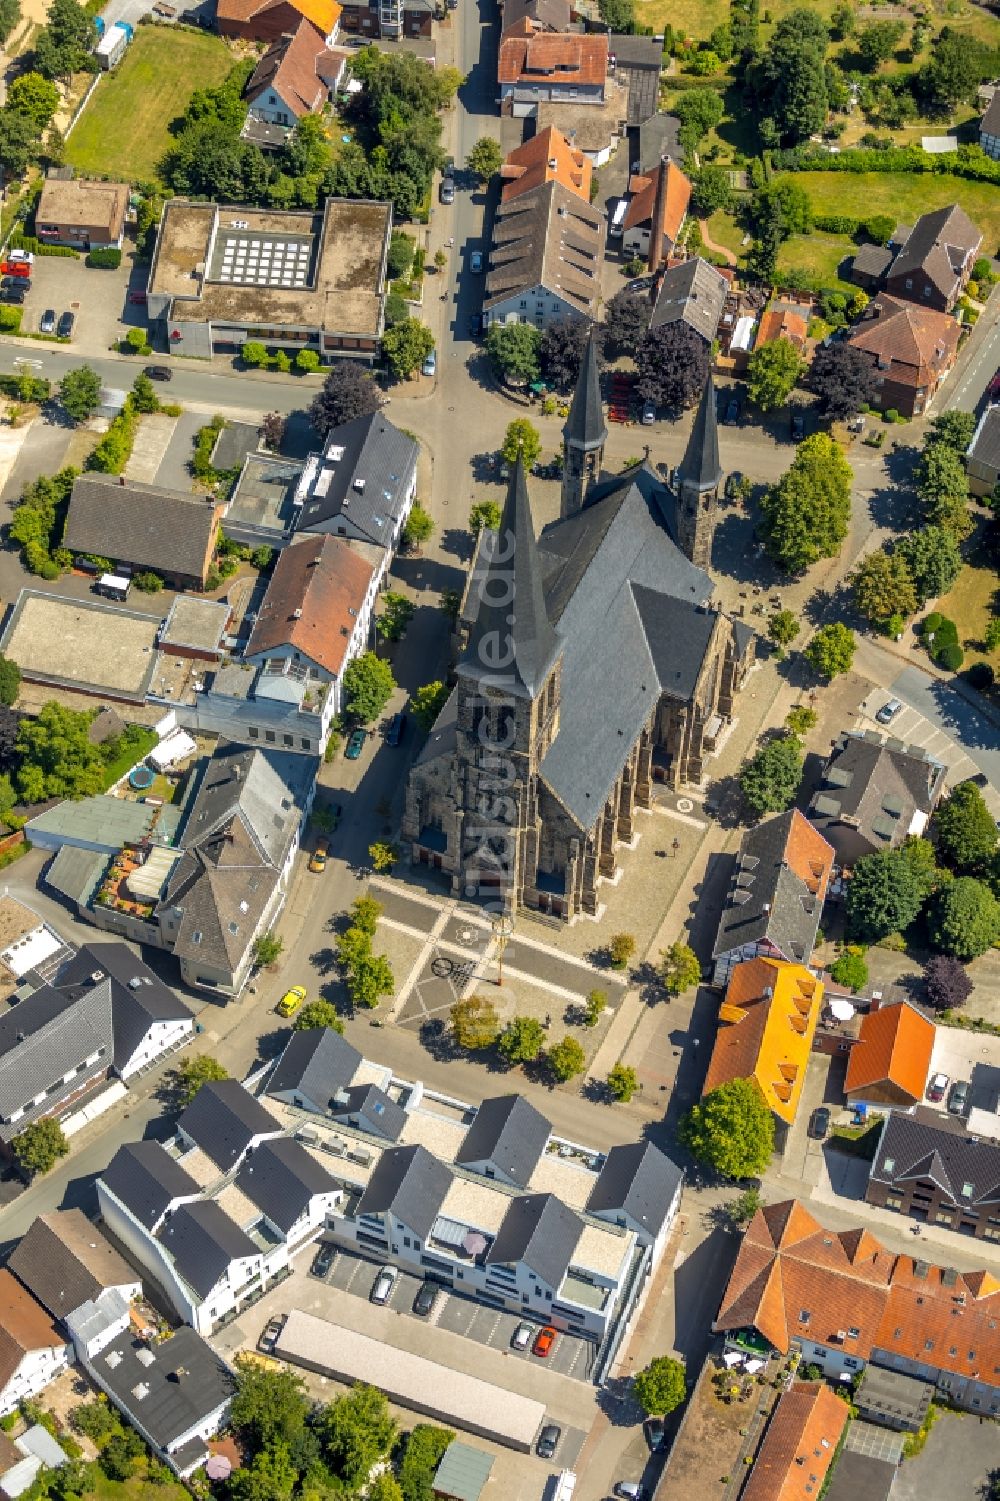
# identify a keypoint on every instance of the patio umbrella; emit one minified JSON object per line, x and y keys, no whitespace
{"x":218,"y":1467}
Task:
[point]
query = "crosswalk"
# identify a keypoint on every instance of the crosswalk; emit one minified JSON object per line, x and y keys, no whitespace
{"x":914,"y":729}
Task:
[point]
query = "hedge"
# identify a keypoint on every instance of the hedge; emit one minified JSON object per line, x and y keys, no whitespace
{"x":968,"y":161}
{"x":38,"y":247}
{"x":106,"y":260}
{"x":26,"y":387}
{"x":115,"y":448}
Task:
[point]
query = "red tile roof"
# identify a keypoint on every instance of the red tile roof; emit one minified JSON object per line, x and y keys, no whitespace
{"x":316,"y":593}
{"x":290,"y":67}
{"x":24,"y":1326}
{"x":799,"y":1445}
{"x":914,"y":343}
{"x":893,"y":1050}
{"x":782,"y":323}
{"x":547,"y":157}
{"x":676,"y":198}
{"x":552,"y":58}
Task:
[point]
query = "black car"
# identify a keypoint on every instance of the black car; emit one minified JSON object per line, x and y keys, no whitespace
{"x":423,"y":1303}
{"x":65,"y":329}
{"x":655,"y":1431}
{"x":47,"y":322}
{"x":158,"y":372}
{"x":12,"y":294}
{"x":24,"y":282}
{"x":819,"y":1123}
{"x":548,"y":1441}
{"x":475,"y":325}
{"x":397,"y":729}
{"x":323,"y":1260}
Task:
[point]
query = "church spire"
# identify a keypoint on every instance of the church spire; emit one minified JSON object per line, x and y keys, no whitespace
{"x":513,"y":636}
{"x":584,"y":434}
{"x":700,"y":466}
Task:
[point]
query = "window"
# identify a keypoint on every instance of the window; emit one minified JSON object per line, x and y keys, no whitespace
{"x":851,"y":1364}
{"x":928,"y":1344}
{"x":269,"y":736}
{"x":804,"y":1316}
{"x":889,"y":1164}
{"x":967,"y":1190}
{"x":288,"y":740}
{"x":853,"y":1333}
{"x":253,"y":732}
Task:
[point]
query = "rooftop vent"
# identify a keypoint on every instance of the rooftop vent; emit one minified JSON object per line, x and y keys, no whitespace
{"x":296,"y":614}
{"x":359,"y":485}
{"x":97,"y":975}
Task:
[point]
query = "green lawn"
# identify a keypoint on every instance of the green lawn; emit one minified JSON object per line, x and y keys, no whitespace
{"x":905,"y":196}
{"x":123,"y":132}
{"x":971,"y":604}
{"x":820,"y":255}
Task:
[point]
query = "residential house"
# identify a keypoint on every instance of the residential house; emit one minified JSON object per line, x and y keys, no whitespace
{"x":78,"y":1277}
{"x":799,"y":1445}
{"x":911,"y":350}
{"x":32,"y":1349}
{"x":315,"y":1065}
{"x":982,"y":457}
{"x":389,"y":19}
{"x":545,"y":260}
{"x":775,"y":902}
{"x":887,"y":1065}
{"x":929,"y":1167}
{"x":989,"y":128}
{"x":766,"y":1027}
{"x":82,"y":214}
{"x":298,"y":74}
{"x":935,"y":260}
{"x":595,"y":126}
{"x":543,"y":15}
{"x":547,"y":157}
{"x":843,"y":1301}
{"x":892,"y":1400}
{"x":267,"y":20}
{"x":537,"y":67}
{"x":149,"y":1020}
{"x":639,"y":1188}
{"x":870,"y":264}
{"x":874,"y":794}
{"x":659,"y":136}
{"x":147,"y":527}
{"x":22,"y":1459}
{"x":176,"y":1394}
{"x":637,"y":62}
{"x":784,"y":320}
{"x":506,"y":1140}
{"x":692,"y":292}
{"x":660,"y":196}
{"x":315,"y":618}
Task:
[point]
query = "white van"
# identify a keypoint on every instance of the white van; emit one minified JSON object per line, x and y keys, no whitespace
{"x":618,"y":219}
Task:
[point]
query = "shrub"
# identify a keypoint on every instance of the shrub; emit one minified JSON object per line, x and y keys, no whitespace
{"x":980,"y":675}
{"x":108,"y":259}
{"x":148,"y":583}
{"x":950,"y":657}
{"x":307,"y":360}
{"x":850,"y":970}
{"x":10,"y":320}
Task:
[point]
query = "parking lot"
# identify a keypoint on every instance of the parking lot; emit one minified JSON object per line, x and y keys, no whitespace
{"x":96,"y":298}
{"x":914,"y":728}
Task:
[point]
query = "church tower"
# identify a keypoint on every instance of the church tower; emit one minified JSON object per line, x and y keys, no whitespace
{"x":697,"y":482}
{"x":584,"y":435}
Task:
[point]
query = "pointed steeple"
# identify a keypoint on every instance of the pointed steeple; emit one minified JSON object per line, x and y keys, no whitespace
{"x":512,"y":635}
{"x":700,"y":467}
{"x":585,"y":426}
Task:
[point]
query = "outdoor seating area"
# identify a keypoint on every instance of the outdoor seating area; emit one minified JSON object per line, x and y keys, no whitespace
{"x":134,"y":879}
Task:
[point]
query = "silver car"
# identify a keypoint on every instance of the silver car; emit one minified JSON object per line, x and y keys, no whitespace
{"x":383,"y":1285}
{"x":888,"y":711}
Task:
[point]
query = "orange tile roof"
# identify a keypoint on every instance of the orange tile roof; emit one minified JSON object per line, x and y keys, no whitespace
{"x":893,"y":1051}
{"x":809,"y":855}
{"x":24,"y":1326}
{"x":324,"y":14}
{"x":547,"y":157}
{"x":768,"y":1021}
{"x":782,"y":323}
{"x":552,"y":57}
{"x":799,"y":1445}
{"x":676,"y":198}
{"x":316,"y":592}
{"x":913,"y":342}
{"x":290,"y":68}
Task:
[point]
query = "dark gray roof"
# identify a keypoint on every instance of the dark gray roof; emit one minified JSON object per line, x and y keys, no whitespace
{"x":146,"y":1179}
{"x":186,"y":1382}
{"x":65,"y":1261}
{"x":508,"y":564}
{"x":700,"y":465}
{"x":411,"y":1185}
{"x":203,"y":1240}
{"x":374,"y":1109}
{"x":547,"y":15}
{"x":659,"y":136}
{"x":47,"y":1036}
{"x":266,"y":789}
{"x":890,"y":1394}
{"x":638,"y":60}
{"x":990,"y":123}
{"x":985,"y":445}
{"x":541,"y":1232}
{"x":937,"y":247}
{"x":510,"y":1133}
{"x":585,"y":426}
{"x":546,"y":237}
{"x":694,"y":291}
{"x":315,"y":1063}
{"x":872,"y":790}
{"x":767,"y":899}
{"x":872,"y":260}
{"x":281,"y":1178}
{"x":145,"y":525}
{"x":858,"y":1477}
{"x":223,"y":1119}
{"x":139,"y":998}
{"x":928,"y":1146}
{"x":372,"y":451}
{"x":638,"y":1180}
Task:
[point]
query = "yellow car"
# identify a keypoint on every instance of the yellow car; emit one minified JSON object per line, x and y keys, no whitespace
{"x":318,"y":861}
{"x":291,"y":1000}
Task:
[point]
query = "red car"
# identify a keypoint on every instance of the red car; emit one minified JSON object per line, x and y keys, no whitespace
{"x":993,"y":389}
{"x":16,"y":268}
{"x":544,"y":1340}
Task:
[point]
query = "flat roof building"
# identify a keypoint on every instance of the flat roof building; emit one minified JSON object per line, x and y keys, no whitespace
{"x":224,"y":275}
{"x":99,"y":649}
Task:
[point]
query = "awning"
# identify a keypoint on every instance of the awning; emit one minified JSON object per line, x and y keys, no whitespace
{"x":732,"y":1358}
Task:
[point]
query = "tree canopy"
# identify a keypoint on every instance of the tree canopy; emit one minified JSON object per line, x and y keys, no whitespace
{"x":475,"y":1023}
{"x":317,"y":1014}
{"x":521,"y":440}
{"x":884,"y":894}
{"x":770,"y":780}
{"x":831,"y":650}
{"x":789,"y":79}
{"x":883,"y":587}
{"x":932,"y":556}
{"x":679,"y":968}
{"x":843,"y":378}
{"x":561,"y":352}
{"x":485,"y":158}
{"x":368,"y":686}
{"x":270,"y":1404}
{"x":522,"y":1039}
{"x":515,"y":350}
{"x":966,"y":830}
{"x":194,"y":1071}
{"x":661,"y":1386}
{"x":947,"y":981}
{"x":673,"y":365}
{"x":963,"y":919}
{"x":80,"y":392}
{"x":65,"y":43}
{"x":806,"y":513}
{"x":347,"y":392}
{"x":626,"y":319}
{"x":406,"y":345}
{"x":731,"y":1130}
{"x":427,"y":703}
{"x":356,"y":1431}
{"x":39,"y":1146}
{"x":773,"y":372}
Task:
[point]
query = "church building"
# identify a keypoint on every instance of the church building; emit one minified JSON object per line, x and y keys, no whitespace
{"x":593,"y":664}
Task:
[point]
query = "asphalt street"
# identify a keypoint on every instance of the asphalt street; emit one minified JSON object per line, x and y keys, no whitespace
{"x":965,"y":391}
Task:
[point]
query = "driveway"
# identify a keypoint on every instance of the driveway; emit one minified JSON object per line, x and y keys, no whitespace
{"x":974,"y":1056}
{"x":962,"y":1448}
{"x":945,"y":725}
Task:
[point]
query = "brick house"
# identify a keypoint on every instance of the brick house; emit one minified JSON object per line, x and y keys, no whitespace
{"x":911,"y":350}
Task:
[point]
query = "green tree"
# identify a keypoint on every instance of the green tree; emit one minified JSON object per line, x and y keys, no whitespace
{"x":382,"y":855}
{"x":807,"y":512}
{"x":10,"y":16}
{"x":850,"y":970}
{"x":623,"y":1082}
{"x":424,"y":1450}
{"x":800,"y":720}
{"x":515,"y":350}
{"x":19,"y":143}
{"x":831,"y":650}
{"x":144,"y":397}
{"x":943,"y":488}
{"x":270,"y":1405}
{"x":965,"y":828}
{"x":191,"y":1073}
{"x":39,"y":1146}
{"x":405,"y":346}
{"x":56,"y":758}
{"x":521,"y":438}
{"x":661,"y":1386}
{"x":618,"y":15}
{"x":789,"y":78}
{"x":953,"y":428}
{"x":419,"y":528}
{"x":356,"y":1431}
{"x":10,"y":681}
{"x":699,"y":111}
{"x":307,"y":361}
{"x":385,"y":1487}
{"x":427,"y":703}
{"x":884,"y":895}
{"x":397,"y":612}
{"x":842,"y":22}
{"x":932,"y":556}
{"x":120,"y":1454}
{"x":475,"y":1023}
{"x":267,"y":950}
{"x":270,"y":1476}
{"x":773,"y":372}
{"x":883,"y":587}
{"x":484,"y":515}
{"x":80,"y":390}
{"x":679,"y":968}
{"x":317,"y":1014}
{"x":254,"y":354}
{"x":65,"y":44}
{"x":731,"y":1130}
{"x":877,"y":42}
{"x":365,"y":913}
{"x":958,"y":63}
{"x":485,"y":159}
{"x":369,"y":978}
{"x":783,"y":627}
{"x":34,"y":96}
{"x":771,"y":779}
{"x":621,"y":947}
{"x":522,"y":1039}
{"x":594,"y":1007}
{"x":963,"y":918}
{"x":368,"y":685}
{"x":741,"y":1210}
{"x":711,"y":191}
{"x":566,"y":1059}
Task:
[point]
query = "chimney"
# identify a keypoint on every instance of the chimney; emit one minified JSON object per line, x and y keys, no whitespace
{"x":656,"y":257}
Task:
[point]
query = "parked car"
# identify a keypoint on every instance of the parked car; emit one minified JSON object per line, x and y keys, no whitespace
{"x":383,"y":1285}
{"x":397,"y":729}
{"x":544,"y":1340}
{"x":630,"y":1490}
{"x":66,"y":322}
{"x":20,"y":269}
{"x":158,"y":372}
{"x":798,"y":426}
{"x":937,"y":1088}
{"x":427,"y":1296}
{"x":655,"y":1431}
{"x":138,"y":299}
{"x":521,"y":1338}
{"x":548,"y":1441}
{"x":291,"y":1001}
{"x":819,"y":1123}
{"x":429,"y":367}
{"x":15,"y":281}
{"x":323,"y":1260}
{"x":958,"y":1097}
{"x":475,"y":325}
{"x":47,"y":322}
{"x":318,"y":862}
{"x":476,"y":262}
{"x":356,"y":744}
{"x":648,"y":413}
{"x":269,"y":1337}
{"x":12,"y":294}
{"x":888,"y":711}
{"x":732,"y":411}
{"x":446,"y":192}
